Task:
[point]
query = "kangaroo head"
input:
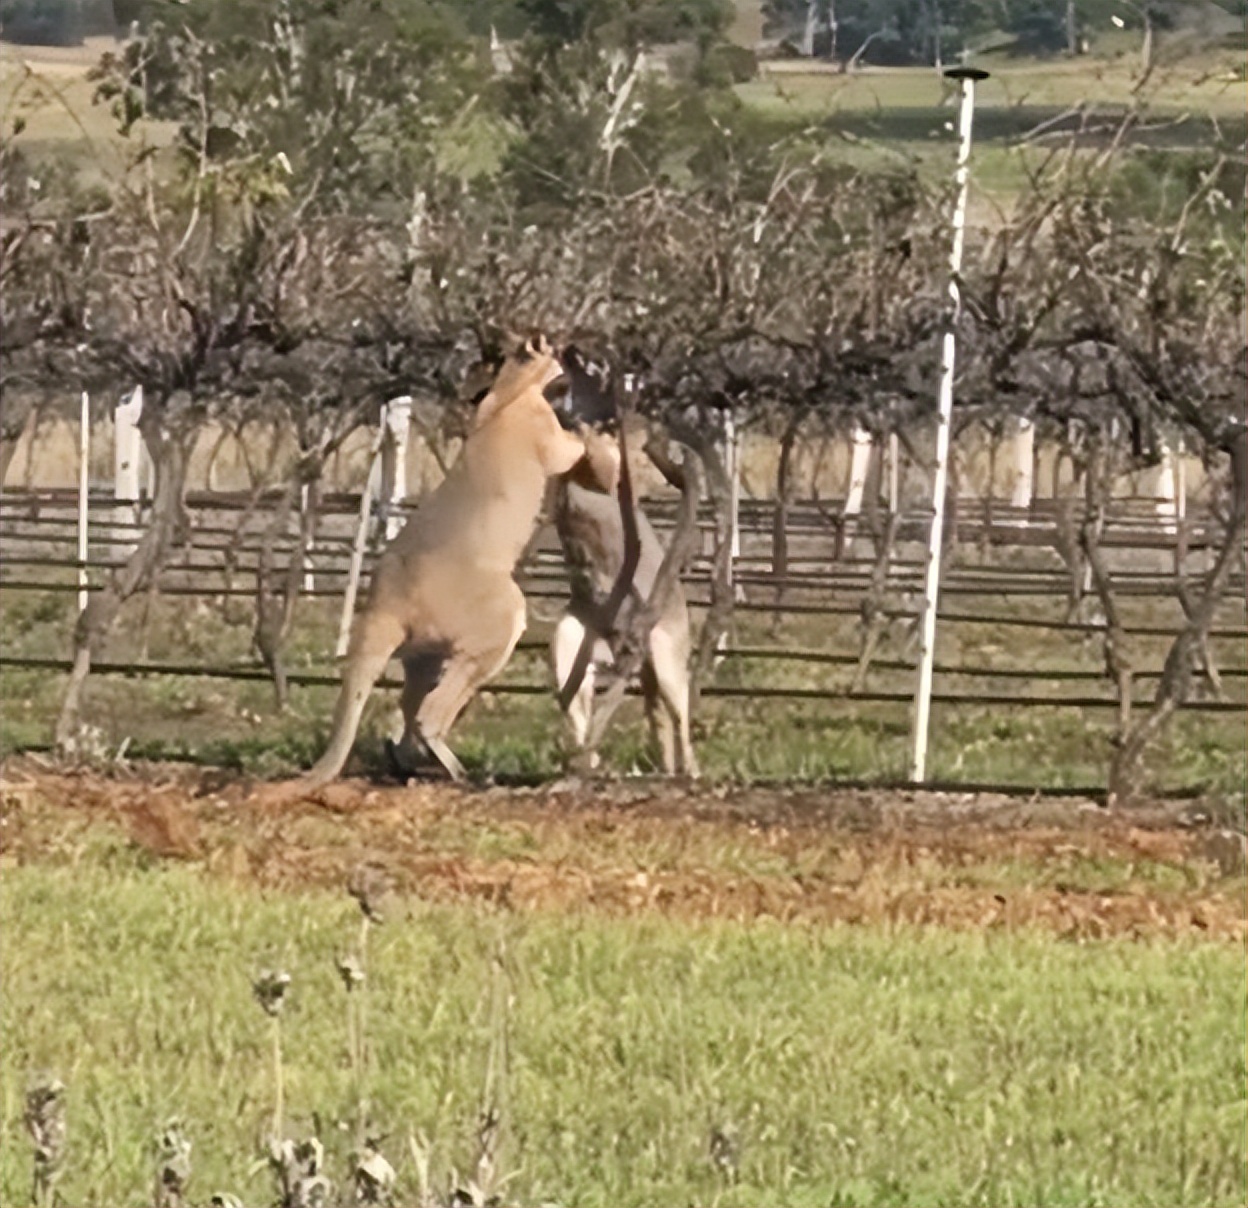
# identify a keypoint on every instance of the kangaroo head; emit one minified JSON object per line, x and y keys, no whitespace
{"x":589,"y":394}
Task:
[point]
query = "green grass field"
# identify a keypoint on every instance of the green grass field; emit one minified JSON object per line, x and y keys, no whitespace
{"x":846,"y":1065}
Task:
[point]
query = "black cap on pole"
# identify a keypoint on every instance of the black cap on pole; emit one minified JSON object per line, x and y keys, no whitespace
{"x":965,"y":73}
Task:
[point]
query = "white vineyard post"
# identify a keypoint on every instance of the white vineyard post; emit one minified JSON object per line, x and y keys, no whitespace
{"x":309,"y":575}
{"x":894,"y":472}
{"x":859,"y":464}
{"x":732,"y":464}
{"x":1024,"y":465}
{"x":1180,"y":498}
{"x":396,"y":428}
{"x":1180,"y":482}
{"x":1170,"y":489}
{"x":127,"y":467}
{"x":966,"y":76}
{"x":84,"y":471}
{"x":371,"y":487}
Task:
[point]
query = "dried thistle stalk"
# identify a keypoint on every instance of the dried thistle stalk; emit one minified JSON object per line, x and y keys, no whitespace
{"x":45,"y":1121}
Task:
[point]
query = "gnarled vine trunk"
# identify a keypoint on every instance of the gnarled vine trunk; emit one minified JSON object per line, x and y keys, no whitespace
{"x":169,"y":444}
{"x":277,"y":595}
{"x":1119,"y":656}
{"x":15,"y":413}
{"x":718,"y":619}
{"x":1184,"y":654}
{"x":784,"y":500}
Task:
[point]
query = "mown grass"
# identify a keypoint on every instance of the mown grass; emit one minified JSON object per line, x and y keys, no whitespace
{"x":847,"y":1066}
{"x":907,"y":115}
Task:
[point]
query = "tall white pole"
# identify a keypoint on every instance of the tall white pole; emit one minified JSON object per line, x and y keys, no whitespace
{"x":732,"y":459}
{"x":84,"y":459}
{"x":371,"y":487}
{"x":923,"y":694}
{"x":894,"y":472}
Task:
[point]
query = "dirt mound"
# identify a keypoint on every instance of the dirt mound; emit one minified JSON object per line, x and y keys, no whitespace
{"x":810,"y":855}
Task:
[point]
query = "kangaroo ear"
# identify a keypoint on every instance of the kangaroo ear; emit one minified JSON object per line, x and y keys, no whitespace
{"x":478,"y":382}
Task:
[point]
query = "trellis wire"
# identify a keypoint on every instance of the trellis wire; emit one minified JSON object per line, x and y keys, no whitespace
{"x":847,"y":610}
{"x":968,"y":581}
{"x":1125,"y":530}
{"x":511,"y":688}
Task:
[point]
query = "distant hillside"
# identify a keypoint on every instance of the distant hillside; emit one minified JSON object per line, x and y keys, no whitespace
{"x":1222,"y":22}
{"x":55,"y":22}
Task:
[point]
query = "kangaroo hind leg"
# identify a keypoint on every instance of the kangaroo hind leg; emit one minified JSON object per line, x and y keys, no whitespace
{"x":564,"y":646}
{"x":659,"y":718}
{"x":670,"y":659}
{"x":421,"y":672}
{"x":481,"y":655}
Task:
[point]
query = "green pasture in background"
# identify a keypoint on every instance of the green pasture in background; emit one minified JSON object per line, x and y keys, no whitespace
{"x":872,"y":118}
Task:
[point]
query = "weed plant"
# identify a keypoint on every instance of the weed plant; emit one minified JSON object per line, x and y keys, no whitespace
{"x":594,"y":1061}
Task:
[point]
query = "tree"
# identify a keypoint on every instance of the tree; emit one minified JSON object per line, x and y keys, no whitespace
{"x":626,"y":24}
{"x":44,"y":245}
{"x":1117,"y":314}
{"x":343,"y":105}
{"x":1165,"y":304}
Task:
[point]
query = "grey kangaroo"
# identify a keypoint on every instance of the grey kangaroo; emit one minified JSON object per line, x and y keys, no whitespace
{"x":591,"y":532}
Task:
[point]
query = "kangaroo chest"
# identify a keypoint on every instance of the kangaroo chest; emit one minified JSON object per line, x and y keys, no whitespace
{"x":591,"y":532}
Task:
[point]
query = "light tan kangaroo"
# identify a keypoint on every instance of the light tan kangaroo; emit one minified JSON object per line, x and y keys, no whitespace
{"x":443,"y":599}
{"x":591,"y":531}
